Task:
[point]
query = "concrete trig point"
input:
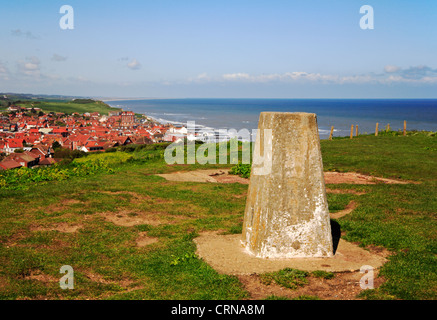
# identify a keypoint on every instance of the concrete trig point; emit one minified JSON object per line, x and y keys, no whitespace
{"x":287,"y":212}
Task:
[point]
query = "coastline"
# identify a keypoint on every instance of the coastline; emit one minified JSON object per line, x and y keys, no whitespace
{"x":240,"y":114}
{"x":131,"y":99}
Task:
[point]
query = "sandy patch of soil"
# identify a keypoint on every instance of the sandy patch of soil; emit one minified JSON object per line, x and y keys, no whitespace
{"x":344,"y":286}
{"x":61,"y":227}
{"x":350,"y":191}
{"x":349,"y":208}
{"x":226,"y":254}
{"x":95,"y":277}
{"x":70,"y":201}
{"x":223,"y":176}
{"x":61,"y":205}
{"x":131,"y":218}
{"x":127,"y":284}
{"x":357,"y":178}
{"x":144,"y":240}
{"x":54,"y":208}
{"x":135,"y":196}
{"x":209,"y":175}
{"x":40,"y":276}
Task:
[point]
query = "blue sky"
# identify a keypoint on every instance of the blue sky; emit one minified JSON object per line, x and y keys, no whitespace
{"x":241,"y":49}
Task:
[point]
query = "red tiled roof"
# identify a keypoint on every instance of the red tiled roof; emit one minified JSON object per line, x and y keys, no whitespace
{"x":47,"y":161}
{"x":9,"y":164}
{"x":95,"y":143}
{"x":37,"y":152}
{"x":21,"y":157}
{"x":15,"y":143}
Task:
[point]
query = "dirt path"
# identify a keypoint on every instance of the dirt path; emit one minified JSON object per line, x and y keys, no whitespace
{"x":222,"y":176}
{"x":349,"y":208}
{"x":344,"y":286}
{"x":209,"y":175}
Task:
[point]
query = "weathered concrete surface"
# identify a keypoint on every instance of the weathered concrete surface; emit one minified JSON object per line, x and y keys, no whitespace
{"x":286,"y":213}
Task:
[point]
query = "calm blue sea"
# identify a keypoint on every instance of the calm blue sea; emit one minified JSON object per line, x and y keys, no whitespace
{"x":244,"y":113}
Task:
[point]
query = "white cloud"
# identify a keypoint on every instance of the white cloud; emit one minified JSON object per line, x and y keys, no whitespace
{"x":26,"y":34}
{"x":134,"y":65}
{"x":58,"y":58}
{"x":3,"y":69}
{"x":288,"y":76}
{"x":30,"y":67}
{"x":237,"y":76}
{"x":52,"y":76}
{"x":391,"y":68}
{"x":81,"y":79}
{"x":393,"y":74}
{"x":200,"y":78}
{"x":419,"y":74}
{"x":4,"y":72}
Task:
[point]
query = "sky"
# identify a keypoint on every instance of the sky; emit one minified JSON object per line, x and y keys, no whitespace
{"x":220,"y":49}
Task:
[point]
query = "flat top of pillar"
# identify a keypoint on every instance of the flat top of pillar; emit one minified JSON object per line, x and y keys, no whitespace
{"x":289,"y":114}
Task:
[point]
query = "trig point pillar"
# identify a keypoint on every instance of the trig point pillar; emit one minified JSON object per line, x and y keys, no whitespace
{"x":286,"y":212}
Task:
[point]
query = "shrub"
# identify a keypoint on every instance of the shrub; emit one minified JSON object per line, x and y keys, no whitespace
{"x":16,"y":179}
{"x":242,"y":170}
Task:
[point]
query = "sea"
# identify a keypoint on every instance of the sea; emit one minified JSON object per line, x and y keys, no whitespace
{"x":226,"y":114}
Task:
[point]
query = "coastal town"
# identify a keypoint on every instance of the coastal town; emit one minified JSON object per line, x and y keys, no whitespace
{"x":29,"y":136}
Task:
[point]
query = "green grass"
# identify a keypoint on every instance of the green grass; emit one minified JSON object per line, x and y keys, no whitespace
{"x":404,"y":157}
{"x":323,"y":274}
{"x":293,"y":278}
{"x":401,"y":218}
{"x":108,"y":264}
{"x":287,"y":278}
{"x":66,"y":106}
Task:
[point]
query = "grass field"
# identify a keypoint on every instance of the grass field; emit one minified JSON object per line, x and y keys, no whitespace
{"x":67,"y":106}
{"x":129,"y":234}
